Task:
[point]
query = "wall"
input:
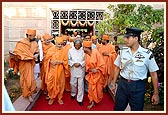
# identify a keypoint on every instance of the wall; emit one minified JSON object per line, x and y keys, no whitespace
{"x":17,"y":19}
{"x":19,"y":16}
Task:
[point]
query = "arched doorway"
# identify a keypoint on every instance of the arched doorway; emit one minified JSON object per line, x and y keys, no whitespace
{"x":75,"y":20}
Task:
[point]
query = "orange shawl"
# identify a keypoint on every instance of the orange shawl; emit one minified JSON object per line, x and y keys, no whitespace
{"x":95,"y":80}
{"x":25,"y":50}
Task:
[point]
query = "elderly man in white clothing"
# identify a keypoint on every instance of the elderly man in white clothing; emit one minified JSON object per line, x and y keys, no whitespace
{"x":76,"y":60}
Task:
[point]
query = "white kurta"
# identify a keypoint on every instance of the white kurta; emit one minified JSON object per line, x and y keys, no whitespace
{"x":40,"y":50}
{"x":77,"y":73}
{"x":37,"y":66}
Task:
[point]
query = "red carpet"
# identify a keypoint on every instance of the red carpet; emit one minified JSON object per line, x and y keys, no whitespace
{"x":41,"y":104}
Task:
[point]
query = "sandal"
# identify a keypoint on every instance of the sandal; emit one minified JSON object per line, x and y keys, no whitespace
{"x":30,"y":99}
{"x":60,"y":102}
{"x":51,"y":101}
{"x":91,"y":105}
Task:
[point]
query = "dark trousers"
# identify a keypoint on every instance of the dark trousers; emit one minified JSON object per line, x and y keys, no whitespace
{"x":130,"y":92}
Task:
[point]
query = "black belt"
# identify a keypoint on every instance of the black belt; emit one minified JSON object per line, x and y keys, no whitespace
{"x":129,"y":80}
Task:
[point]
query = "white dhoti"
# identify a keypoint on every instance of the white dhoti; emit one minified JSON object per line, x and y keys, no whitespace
{"x":36,"y":70}
{"x":77,"y":82}
{"x":77,"y":73}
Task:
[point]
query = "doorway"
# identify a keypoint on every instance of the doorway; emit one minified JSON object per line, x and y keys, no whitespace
{"x":78,"y":28}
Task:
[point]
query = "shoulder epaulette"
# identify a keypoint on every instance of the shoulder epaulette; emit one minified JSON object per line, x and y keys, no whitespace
{"x":148,"y":51}
{"x":151,"y":56}
{"x":123,"y":48}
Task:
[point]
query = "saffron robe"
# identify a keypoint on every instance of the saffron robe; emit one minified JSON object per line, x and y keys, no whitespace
{"x":109,"y":61}
{"x":95,"y":80}
{"x":24,"y":51}
{"x":56,"y":74}
{"x":44,"y":65}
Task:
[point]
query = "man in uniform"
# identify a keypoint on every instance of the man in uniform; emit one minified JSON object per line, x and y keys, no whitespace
{"x":132,"y":65}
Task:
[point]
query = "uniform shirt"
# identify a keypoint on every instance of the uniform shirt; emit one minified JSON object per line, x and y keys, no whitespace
{"x":76,"y":56}
{"x":136,"y":66}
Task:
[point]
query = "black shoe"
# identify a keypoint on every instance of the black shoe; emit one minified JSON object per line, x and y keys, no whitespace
{"x":80,"y":103}
{"x":72,"y":97}
{"x":86,"y":92}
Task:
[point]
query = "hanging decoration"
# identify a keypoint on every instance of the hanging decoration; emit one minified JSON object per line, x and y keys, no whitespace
{"x":73,"y":23}
{"x":90,"y":23}
{"x":65,"y":22}
{"x":82,"y":23}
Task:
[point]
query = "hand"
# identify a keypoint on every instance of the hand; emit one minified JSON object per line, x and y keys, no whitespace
{"x":36,"y":56}
{"x":94,"y":70}
{"x":113,"y":89}
{"x":76,"y":64}
{"x":58,"y":62}
{"x":105,"y":54}
{"x":12,"y":55}
{"x":155,"y":99}
{"x":52,"y":62}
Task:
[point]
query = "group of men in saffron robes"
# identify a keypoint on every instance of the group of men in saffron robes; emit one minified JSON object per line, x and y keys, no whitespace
{"x":65,"y":66}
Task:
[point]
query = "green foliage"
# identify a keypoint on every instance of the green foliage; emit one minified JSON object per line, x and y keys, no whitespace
{"x":161,"y":94}
{"x":123,"y":15}
{"x":120,"y":40}
{"x":15,"y":88}
{"x":10,"y":74}
{"x":146,"y":18}
{"x":5,"y":79}
{"x":149,"y":92}
{"x":14,"y":92}
{"x":156,"y":35}
{"x":105,"y":26}
{"x":158,"y":52}
{"x":129,"y":15}
{"x":12,"y":95}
